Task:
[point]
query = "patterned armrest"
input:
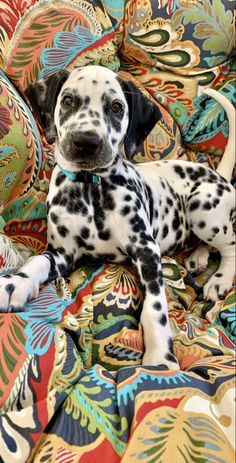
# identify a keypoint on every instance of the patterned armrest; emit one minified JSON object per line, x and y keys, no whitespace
{"x":23,"y":180}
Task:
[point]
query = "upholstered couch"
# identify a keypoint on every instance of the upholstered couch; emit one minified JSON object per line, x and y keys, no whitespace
{"x":72,"y":388}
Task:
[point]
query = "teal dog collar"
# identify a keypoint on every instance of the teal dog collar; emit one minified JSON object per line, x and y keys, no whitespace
{"x":83,"y":176}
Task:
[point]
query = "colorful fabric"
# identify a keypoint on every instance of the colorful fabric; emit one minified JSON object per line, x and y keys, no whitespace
{"x":38,"y":38}
{"x":24,"y":174}
{"x":71,"y":385}
{"x":174,"y":47}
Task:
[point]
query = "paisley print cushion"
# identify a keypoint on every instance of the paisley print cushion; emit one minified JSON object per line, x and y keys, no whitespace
{"x":174,"y":47}
{"x":182,"y":37}
{"x":24,"y":176}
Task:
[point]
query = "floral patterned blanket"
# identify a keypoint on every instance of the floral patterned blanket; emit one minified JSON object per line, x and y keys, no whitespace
{"x":72,"y":388}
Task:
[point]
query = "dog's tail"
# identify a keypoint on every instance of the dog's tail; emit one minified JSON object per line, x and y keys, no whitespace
{"x":227,"y":163}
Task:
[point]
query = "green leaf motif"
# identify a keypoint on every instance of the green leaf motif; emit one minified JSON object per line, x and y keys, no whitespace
{"x":11,"y":347}
{"x":92,"y":403}
{"x":214,"y":24}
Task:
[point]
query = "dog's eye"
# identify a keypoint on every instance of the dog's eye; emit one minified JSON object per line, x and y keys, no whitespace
{"x":67,"y":101}
{"x":116,"y":107}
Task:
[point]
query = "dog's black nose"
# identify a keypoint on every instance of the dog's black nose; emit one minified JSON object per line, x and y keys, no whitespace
{"x":86,"y":142}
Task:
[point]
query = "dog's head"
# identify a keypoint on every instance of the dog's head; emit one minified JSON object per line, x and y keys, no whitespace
{"x":91,"y":112}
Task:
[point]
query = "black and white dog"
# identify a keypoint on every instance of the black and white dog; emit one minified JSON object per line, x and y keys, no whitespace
{"x":100,"y":204}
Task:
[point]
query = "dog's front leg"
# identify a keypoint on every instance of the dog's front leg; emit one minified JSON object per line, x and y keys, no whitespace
{"x":154,"y":317}
{"x":18,"y":288}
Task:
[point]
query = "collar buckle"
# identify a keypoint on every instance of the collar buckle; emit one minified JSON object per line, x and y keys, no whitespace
{"x":96,"y":179}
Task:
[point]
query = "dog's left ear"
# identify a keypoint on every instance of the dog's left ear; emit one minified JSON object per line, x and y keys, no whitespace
{"x":143,"y":116}
{"x":42,"y":96}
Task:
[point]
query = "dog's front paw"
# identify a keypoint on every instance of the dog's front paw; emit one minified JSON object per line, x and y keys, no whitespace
{"x":15,"y":290}
{"x":217,"y":287}
{"x":151,"y":359}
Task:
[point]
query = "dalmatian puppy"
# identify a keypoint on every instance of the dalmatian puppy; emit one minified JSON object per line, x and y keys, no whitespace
{"x":102,"y":205}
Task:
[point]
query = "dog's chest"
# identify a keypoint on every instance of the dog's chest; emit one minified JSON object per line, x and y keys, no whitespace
{"x":105,"y":219}
{"x":87,"y":219}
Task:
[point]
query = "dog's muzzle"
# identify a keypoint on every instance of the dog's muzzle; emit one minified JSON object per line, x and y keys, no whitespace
{"x":87,"y":149}
{"x":85,"y":144}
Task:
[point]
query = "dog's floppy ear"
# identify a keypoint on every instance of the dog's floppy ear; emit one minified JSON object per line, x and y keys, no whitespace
{"x":143,"y":115}
{"x":42,"y":96}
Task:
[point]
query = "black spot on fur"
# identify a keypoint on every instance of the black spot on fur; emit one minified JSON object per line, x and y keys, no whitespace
{"x":62,"y":230}
{"x":104,"y":235}
{"x":180,"y":171}
{"x":59,"y":179}
{"x":54,"y":217}
{"x":77,"y":207}
{"x":154,"y":288}
{"x":179,"y":235}
{"x":157,"y":305}
{"x":176,"y":222}
{"x":118,"y":180}
{"x":125,"y":210}
{"x":201,"y":224}
{"x":197,"y":174}
{"x":85,"y":233}
{"x":163,"y":319}
{"x":96,"y":123}
{"x":219,"y":192}
{"x":82,"y":244}
{"x":189,"y":170}
{"x":87,"y":100}
{"x":165,"y":231}
{"x":194,"y":205}
{"x":169,"y":202}
{"x":138,"y":224}
{"x":216,"y":201}
{"x":207,"y":205}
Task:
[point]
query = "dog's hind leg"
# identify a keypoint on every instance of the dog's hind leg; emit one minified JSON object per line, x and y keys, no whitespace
{"x":221,"y":282}
{"x":154,"y":317}
{"x":217,"y":233}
